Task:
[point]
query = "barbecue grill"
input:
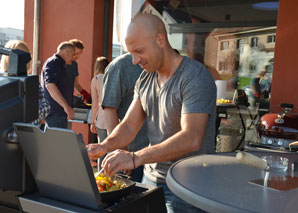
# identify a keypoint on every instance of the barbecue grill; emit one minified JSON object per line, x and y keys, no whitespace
{"x":278,"y":131}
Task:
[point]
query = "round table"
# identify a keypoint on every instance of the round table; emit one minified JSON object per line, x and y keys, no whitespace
{"x":219,"y":183}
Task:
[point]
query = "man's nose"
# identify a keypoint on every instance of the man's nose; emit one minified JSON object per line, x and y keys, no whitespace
{"x":135,"y":59}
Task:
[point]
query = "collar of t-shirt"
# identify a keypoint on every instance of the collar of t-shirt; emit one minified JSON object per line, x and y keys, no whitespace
{"x":60,"y":58}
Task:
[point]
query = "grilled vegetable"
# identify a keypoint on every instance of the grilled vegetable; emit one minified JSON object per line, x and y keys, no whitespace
{"x":106,"y":184}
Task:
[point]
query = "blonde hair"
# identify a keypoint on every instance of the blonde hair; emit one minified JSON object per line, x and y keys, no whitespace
{"x":262,"y":73}
{"x":14,"y":44}
{"x":100,"y":64}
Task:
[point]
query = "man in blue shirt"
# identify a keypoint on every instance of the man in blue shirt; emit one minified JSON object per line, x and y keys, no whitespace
{"x":57,"y":91}
{"x":72,"y":70}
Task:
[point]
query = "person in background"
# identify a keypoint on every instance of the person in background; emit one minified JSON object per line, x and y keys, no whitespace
{"x":14,"y":44}
{"x":72,"y":70}
{"x":58,"y":91}
{"x":43,"y":105}
{"x":119,"y":81}
{"x":177,"y":97}
{"x":98,"y":124}
{"x":258,"y":88}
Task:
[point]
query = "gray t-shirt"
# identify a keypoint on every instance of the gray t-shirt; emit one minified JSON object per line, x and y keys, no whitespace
{"x":118,"y":90}
{"x":190,"y":90}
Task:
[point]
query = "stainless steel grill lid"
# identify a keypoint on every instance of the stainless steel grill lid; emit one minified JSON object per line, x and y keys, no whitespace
{"x":60,"y":165}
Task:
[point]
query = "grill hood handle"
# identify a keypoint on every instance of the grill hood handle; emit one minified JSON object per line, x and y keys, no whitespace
{"x":252,"y":160}
{"x":293,"y":144}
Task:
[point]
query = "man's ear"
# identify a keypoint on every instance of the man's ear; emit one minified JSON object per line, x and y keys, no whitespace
{"x":160,"y":39}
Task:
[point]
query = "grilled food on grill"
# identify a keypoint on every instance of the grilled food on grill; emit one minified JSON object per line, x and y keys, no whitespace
{"x":107,"y":184}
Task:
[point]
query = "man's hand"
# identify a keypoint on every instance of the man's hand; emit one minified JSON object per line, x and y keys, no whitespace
{"x":70,"y":112}
{"x":86,"y":95}
{"x":117,"y":161}
{"x":58,"y":97}
{"x":95,"y":151}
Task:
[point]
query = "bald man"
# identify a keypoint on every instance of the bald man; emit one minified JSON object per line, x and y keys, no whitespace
{"x":177,"y":96}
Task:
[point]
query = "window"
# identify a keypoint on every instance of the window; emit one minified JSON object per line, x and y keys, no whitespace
{"x":224,"y":45}
{"x":223,"y":65}
{"x":238,"y":42}
{"x":271,"y":39}
{"x":237,"y":65}
{"x":269,"y":68}
{"x":254,"y":42}
{"x":252,"y":67}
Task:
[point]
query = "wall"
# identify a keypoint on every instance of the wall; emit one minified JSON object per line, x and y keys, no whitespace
{"x":284,"y":82}
{"x":63,"y":20}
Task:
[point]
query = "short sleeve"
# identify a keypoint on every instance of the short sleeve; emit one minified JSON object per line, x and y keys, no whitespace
{"x":198,"y":93}
{"x":137,"y":90}
{"x":50,"y":73}
{"x":111,"y":96}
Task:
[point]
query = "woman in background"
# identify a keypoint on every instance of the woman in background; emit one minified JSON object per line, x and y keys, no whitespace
{"x":14,"y":44}
{"x":43,"y":105}
{"x":97,"y":121}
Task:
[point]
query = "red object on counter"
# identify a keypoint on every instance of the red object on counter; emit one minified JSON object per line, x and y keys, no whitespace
{"x":86,"y":95}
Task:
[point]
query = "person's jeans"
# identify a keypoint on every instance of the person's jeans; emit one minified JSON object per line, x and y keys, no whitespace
{"x":174,"y":204}
{"x":57,"y":121}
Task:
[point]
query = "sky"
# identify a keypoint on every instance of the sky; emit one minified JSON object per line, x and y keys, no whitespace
{"x":12,"y":13}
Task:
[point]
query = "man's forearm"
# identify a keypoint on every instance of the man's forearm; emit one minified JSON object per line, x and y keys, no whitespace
{"x":187,"y":140}
{"x":124,"y":133}
{"x":77,"y":85}
{"x":56,"y":95}
{"x":176,"y":146}
{"x":120,"y":137}
{"x":78,"y":88}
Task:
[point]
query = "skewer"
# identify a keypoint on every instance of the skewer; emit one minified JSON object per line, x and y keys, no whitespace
{"x":98,"y":173}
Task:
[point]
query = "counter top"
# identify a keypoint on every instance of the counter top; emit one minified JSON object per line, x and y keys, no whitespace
{"x":219,"y":183}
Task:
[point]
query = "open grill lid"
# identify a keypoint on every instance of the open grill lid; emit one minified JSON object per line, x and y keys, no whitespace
{"x":60,"y":165}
